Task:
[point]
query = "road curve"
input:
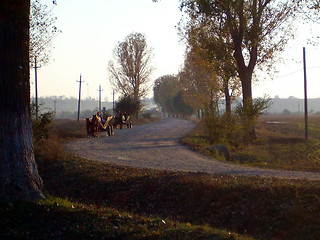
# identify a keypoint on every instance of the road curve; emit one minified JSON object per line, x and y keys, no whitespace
{"x":156,"y":145}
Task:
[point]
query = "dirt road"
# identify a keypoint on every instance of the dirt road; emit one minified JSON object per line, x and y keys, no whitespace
{"x":156,"y":145}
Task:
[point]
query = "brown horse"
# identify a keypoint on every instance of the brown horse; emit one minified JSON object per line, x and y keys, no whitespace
{"x":92,"y":125}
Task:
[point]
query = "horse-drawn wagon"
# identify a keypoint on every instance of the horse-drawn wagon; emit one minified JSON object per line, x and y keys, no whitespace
{"x":96,"y":124}
{"x":122,"y":119}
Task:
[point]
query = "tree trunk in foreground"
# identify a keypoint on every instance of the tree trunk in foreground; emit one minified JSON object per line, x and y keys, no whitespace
{"x":19,"y":178}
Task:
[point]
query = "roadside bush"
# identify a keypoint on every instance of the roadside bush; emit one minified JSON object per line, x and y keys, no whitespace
{"x":41,"y":125}
{"x":222,"y":129}
{"x":248,"y":116}
{"x":46,"y":148}
{"x":235,"y":129}
{"x":128,"y":105}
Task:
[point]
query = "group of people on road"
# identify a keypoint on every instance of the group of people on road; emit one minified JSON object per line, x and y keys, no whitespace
{"x":123,"y":116}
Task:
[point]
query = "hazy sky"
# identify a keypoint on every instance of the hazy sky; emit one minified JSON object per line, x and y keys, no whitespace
{"x":92,"y":28}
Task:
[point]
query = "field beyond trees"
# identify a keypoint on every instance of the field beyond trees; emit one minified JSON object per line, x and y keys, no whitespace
{"x":91,"y":200}
{"x":280,"y":144}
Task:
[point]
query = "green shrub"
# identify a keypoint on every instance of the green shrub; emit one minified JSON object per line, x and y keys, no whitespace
{"x":41,"y":125}
{"x":128,"y":105}
{"x":248,"y":115}
{"x":222,"y":129}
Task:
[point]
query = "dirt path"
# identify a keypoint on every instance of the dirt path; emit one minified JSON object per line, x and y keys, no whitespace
{"x":156,"y":146}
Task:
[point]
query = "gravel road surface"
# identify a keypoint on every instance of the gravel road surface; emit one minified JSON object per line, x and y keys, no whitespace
{"x":156,"y":145}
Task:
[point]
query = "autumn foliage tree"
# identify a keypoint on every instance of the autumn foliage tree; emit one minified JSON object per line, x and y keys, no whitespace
{"x":43,"y":29}
{"x":252,"y":32}
{"x":169,"y":95}
{"x":216,"y":52}
{"x":131,"y":68}
{"x":164,"y":90}
{"x":199,"y":80}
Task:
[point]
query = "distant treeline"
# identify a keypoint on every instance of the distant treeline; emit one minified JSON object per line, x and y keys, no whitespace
{"x":67,"y":107}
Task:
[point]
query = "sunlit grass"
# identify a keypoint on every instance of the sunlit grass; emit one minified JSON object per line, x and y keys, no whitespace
{"x":92,"y":200}
{"x":280,"y":145}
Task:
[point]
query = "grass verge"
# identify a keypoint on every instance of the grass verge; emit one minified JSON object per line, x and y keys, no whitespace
{"x":92,"y":200}
{"x":280,"y":145}
{"x":89,"y":200}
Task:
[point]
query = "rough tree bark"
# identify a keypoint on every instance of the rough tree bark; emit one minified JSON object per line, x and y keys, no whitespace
{"x":19,"y":178}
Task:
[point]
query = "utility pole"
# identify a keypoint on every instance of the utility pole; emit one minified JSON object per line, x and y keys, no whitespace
{"x":79,"y":97}
{"x":305,"y":94}
{"x":113,"y":102}
{"x":55,"y":107}
{"x":36,"y":86}
{"x":100,"y":98}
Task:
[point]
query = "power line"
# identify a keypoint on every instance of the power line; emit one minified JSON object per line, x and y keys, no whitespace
{"x":299,"y":70}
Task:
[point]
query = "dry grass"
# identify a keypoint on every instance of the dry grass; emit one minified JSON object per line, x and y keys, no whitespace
{"x":280,"y":144}
{"x":66,"y":129}
{"x":92,"y":200}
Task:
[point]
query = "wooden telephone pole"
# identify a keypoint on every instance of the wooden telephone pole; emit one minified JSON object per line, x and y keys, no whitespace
{"x":113,"y":102}
{"x":100,"y":90}
{"x":55,"y":107}
{"x":305,"y":94}
{"x":79,"y":97}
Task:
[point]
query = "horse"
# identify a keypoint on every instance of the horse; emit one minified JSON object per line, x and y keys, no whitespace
{"x":92,"y":125}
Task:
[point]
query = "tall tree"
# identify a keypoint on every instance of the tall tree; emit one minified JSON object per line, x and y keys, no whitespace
{"x":181,"y":106}
{"x":131,"y":69}
{"x":216,"y":51}
{"x":42,"y":32}
{"x":199,"y":80}
{"x":19,"y":178}
{"x":257,"y":30}
{"x":309,"y":10}
{"x":165,"y":90}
